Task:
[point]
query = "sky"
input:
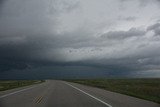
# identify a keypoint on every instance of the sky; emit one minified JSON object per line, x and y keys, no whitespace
{"x":79,"y":38}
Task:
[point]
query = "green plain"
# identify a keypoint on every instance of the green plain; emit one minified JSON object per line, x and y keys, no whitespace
{"x":10,"y":84}
{"x":148,"y":89}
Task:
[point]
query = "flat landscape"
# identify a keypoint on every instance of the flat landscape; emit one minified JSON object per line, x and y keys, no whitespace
{"x":10,"y":84}
{"x":148,"y":89}
{"x":57,"y":93}
{"x":79,"y":53}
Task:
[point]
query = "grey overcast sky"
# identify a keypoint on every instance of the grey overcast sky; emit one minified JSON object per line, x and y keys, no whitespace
{"x":79,"y":38}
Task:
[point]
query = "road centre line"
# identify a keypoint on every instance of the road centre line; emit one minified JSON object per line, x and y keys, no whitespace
{"x":39,"y":99}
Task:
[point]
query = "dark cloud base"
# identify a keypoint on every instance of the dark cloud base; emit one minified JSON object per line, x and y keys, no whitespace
{"x":31,"y":48}
{"x":72,"y":72}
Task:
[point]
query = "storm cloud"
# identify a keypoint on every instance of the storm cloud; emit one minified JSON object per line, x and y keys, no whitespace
{"x":59,"y":37}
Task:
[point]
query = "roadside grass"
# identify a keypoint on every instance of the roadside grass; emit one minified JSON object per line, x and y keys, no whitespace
{"x":10,"y":84}
{"x":148,"y":89}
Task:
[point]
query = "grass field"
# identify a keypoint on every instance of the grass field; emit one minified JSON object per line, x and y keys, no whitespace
{"x":148,"y":89}
{"x":6,"y":85}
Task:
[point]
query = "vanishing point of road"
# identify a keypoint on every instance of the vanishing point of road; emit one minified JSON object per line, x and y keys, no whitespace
{"x":54,"y":93}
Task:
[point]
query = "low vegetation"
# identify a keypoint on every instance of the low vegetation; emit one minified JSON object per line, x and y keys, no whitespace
{"x":6,"y":85}
{"x":148,"y":89}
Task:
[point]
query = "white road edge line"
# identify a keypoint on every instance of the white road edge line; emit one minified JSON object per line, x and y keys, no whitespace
{"x":89,"y":95}
{"x":17,"y":92}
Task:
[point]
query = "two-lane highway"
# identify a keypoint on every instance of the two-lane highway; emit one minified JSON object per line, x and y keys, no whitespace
{"x":54,"y":93}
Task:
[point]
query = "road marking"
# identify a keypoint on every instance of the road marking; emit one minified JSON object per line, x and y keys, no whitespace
{"x":39,"y":99}
{"x":17,"y":92}
{"x":89,"y":95}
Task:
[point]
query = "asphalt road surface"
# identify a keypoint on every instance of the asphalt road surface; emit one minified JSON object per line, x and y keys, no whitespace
{"x":53,"y":93}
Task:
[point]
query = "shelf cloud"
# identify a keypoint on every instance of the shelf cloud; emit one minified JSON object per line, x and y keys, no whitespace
{"x":106,"y":38}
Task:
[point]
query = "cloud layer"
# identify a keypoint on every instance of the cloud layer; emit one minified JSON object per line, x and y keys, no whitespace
{"x":120,"y":39}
